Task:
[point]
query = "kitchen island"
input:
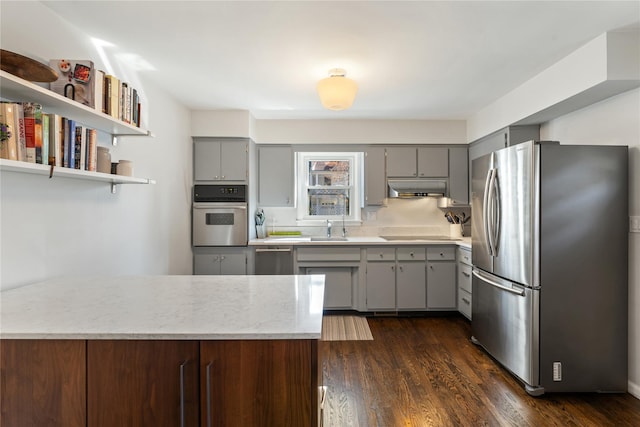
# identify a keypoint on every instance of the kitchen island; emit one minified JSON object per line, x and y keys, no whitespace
{"x":162,"y":350}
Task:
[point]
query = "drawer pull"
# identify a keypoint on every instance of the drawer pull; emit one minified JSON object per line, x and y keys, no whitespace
{"x":182,"y":411}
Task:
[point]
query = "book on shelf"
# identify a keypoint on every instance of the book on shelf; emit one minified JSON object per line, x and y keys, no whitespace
{"x":80,"y":147}
{"x":69,"y":149}
{"x":92,"y":149}
{"x":55,"y":139}
{"x":113,"y":95}
{"x":10,"y":130}
{"x":98,"y":88}
{"x":44,"y":150}
{"x":22,"y":137}
{"x":33,"y":130}
{"x":75,"y":81}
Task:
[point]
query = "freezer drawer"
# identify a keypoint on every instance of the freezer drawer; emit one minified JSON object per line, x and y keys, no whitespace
{"x":506,"y":323}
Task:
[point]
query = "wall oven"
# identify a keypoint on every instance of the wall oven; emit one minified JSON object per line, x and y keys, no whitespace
{"x":219,"y":215}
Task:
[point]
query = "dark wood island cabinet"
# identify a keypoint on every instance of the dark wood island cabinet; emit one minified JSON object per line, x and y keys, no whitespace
{"x":262,"y":373}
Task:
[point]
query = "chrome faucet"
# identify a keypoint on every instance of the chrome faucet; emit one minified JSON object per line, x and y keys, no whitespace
{"x":328,"y":229}
{"x":344,"y":230}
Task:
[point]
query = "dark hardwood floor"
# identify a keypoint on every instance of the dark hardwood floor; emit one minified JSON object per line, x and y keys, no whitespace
{"x":425,"y":372}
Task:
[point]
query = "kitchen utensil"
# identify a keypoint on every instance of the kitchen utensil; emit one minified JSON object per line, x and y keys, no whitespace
{"x":449,"y":218}
{"x":260,"y":216}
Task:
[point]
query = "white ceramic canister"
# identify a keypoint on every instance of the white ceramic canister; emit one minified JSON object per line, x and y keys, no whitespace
{"x":125,"y":168}
{"x":103,"y":160}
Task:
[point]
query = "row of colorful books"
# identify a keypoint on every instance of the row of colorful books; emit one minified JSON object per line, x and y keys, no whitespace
{"x":81,"y":81}
{"x":33,"y":136}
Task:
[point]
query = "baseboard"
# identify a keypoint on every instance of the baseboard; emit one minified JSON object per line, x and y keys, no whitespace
{"x":633,"y":389}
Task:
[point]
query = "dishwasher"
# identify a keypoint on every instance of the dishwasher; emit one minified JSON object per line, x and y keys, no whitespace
{"x":276,"y":259}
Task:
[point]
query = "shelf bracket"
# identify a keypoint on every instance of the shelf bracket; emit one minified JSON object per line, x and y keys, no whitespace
{"x":114,"y":140}
{"x":113,"y":187}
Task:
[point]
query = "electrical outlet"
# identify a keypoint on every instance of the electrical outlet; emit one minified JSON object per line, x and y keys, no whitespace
{"x":557,"y":371}
{"x":634,"y":224}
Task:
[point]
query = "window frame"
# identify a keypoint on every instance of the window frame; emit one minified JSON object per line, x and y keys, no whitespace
{"x":355,"y":187}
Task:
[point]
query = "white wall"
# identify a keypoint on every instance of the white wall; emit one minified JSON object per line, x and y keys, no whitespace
{"x":360,"y":132}
{"x":615,"y":121}
{"x":59,"y":227}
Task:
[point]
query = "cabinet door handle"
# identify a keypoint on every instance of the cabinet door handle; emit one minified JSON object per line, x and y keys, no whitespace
{"x":208,"y":383}
{"x":222,"y":257}
{"x":393,"y":268}
{"x":222,"y":176}
{"x":182,"y":421}
{"x":466,"y":301}
{"x":441,"y":254}
{"x":411,"y":254}
{"x":401,"y":269}
{"x":466,"y":274}
{"x":381,"y":256}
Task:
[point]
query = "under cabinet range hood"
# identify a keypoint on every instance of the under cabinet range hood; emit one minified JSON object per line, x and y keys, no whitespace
{"x":412,"y":188}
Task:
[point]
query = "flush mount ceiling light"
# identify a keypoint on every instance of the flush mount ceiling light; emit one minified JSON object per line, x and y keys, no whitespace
{"x":336,"y":91}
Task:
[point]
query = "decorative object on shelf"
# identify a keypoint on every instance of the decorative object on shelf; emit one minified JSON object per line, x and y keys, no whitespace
{"x":125,"y":168}
{"x":26,"y":68}
{"x":75,"y":80}
{"x":104,"y":160}
{"x":336,"y":91}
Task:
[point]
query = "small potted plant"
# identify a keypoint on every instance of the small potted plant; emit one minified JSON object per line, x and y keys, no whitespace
{"x":5,"y":134}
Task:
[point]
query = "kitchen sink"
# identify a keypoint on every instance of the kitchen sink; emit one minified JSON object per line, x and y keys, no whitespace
{"x":432,"y":238}
{"x":329,"y":239}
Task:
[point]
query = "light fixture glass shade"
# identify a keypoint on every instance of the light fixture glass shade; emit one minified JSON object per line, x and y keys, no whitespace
{"x":337,"y":92}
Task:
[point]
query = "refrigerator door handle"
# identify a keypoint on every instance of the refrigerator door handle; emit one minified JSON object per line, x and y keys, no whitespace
{"x":495,"y":214}
{"x":485,"y":211}
{"x":497,"y":285}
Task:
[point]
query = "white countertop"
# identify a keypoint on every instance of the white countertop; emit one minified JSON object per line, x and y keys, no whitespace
{"x":355,"y":241}
{"x":165,"y":307}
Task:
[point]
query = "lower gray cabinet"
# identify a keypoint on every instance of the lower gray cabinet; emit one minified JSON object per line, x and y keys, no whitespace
{"x":441,"y":278}
{"x":381,"y":285}
{"x":396,"y":279}
{"x":340,"y":266}
{"x":411,"y":279}
{"x":338,"y":287}
{"x":464,"y":282}
{"x":220,"y":263}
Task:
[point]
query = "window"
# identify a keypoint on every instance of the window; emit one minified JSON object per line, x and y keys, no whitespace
{"x":329,"y":186}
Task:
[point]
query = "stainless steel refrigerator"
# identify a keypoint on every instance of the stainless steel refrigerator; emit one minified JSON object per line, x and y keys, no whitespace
{"x":550,"y":256}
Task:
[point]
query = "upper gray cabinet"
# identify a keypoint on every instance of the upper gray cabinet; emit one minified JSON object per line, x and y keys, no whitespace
{"x":275,"y":176}
{"x":506,"y":137}
{"x":375,"y":179}
{"x":220,"y":159}
{"x":421,"y":162}
{"x":459,"y":175}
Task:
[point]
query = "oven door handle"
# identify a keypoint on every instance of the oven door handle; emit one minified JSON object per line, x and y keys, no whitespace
{"x":216,"y":205}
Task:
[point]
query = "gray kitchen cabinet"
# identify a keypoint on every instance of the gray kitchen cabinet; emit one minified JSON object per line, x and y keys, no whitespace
{"x":441,"y":278}
{"x":375,"y":178}
{"x":340,"y":266}
{"x":417,"y":162}
{"x":464,"y":282}
{"x":275,"y":176}
{"x":433,"y":162}
{"x":338,"y":288}
{"x":396,"y":278}
{"x":411,"y":279}
{"x":459,"y":175}
{"x":402,"y":162}
{"x":220,"y":263}
{"x":381,"y":278}
{"x":502,"y":138}
{"x":381,"y":285}
{"x":220,"y":159}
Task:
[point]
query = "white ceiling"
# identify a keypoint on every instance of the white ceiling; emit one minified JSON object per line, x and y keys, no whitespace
{"x":411,"y":60}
